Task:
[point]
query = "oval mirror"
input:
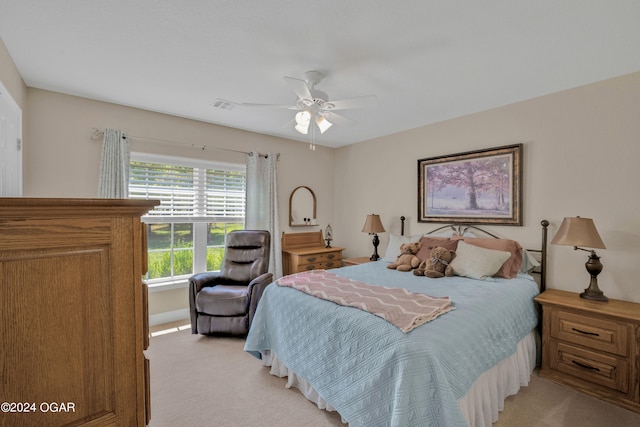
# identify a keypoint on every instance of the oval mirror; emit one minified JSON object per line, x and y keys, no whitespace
{"x":302,"y":207}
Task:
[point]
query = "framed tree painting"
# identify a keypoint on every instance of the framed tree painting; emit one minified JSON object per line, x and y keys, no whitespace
{"x":476,"y":187}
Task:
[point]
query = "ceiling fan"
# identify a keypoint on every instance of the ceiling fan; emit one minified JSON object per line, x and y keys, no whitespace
{"x":314,"y":106}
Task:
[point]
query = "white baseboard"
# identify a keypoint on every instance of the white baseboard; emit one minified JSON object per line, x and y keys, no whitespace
{"x":169,"y":316}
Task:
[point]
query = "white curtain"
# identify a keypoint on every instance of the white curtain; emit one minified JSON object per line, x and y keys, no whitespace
{"x":114,"y":168}
{"x":262,"y":203}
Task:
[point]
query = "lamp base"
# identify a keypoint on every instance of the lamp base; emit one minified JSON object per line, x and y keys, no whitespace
{"x":593,"y":297}
{"x":594,"y":293}
{"x":594,"y":267}
{"x":376,"y":242}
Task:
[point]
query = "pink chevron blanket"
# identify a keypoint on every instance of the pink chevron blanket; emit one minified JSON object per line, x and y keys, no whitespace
{"x":404,"y":309}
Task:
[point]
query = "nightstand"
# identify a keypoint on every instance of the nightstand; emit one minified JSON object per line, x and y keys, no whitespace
{"x":356,"y":261}
{"x":592,"y":346}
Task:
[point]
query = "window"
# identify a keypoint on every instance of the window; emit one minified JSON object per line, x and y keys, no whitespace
{"x":200,"y":203}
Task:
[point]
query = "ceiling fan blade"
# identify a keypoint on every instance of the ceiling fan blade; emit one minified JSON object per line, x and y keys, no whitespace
{"x":299,"y":87}
{"x":289,"y":123}
{"x":338,"y":119}
{"x":251,"y":104}
{"x":350,"y":103}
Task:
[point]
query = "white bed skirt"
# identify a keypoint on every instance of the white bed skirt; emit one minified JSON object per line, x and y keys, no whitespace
{"x":482,"y":403}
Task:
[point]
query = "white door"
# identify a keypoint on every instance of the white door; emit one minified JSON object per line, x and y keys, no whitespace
{"x":10,"y":145}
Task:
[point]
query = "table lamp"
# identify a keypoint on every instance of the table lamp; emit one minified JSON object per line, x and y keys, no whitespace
{"x":373,"y":225}
{"x":328,"y":235}
{"x":579,"y":232}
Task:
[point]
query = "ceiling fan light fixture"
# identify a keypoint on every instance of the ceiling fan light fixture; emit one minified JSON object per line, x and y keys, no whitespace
{"x":303,"y":129}
{"x":313,"y":107}
{"x":323,"y":124}
{"x":303,"y":118}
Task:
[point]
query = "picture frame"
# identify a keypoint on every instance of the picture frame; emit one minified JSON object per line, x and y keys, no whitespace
{"x":474,"y":187}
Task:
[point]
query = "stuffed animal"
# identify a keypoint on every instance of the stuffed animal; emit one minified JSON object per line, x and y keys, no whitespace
{"x":437,"y":265}
{"x":407,"y":260}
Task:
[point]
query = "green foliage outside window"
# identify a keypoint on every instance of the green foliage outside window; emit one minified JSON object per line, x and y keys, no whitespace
{"x":159,"y":244}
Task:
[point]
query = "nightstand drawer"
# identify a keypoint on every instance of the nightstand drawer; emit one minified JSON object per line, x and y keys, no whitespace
{"x":586,"y":365}
{"x":595,"y":333}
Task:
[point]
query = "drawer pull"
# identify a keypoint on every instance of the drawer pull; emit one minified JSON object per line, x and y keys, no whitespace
{"x":582,"y":365}
{"x":586,"y":333}
{"x":331,"y":256}
{"x":310,"y":267}
{"x":329,"y":264}
{"x":311,"y":259}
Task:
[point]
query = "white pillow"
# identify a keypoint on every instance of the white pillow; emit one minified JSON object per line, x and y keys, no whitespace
{"x":529,"y":262}
{"x":393,"y":248}
{"x":476,"y":262}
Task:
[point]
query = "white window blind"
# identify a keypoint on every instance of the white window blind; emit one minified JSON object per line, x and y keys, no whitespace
{"x":200,"y":203}
{"x":187,"y":192}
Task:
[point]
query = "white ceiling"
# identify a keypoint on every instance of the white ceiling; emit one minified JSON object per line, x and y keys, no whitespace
{"x":426,"y":61}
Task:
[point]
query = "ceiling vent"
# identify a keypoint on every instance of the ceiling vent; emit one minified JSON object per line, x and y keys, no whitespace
{"x":224,"y":104}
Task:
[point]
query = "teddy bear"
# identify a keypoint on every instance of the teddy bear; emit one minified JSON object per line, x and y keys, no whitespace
{"x":407,"y":260}
{"x":438,"y":264}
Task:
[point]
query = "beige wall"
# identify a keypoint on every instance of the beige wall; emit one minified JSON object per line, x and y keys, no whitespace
{"x":63,"y":161}
{"x":581,"y":154}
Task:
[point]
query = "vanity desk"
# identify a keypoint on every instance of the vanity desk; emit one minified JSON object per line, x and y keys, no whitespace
{"x":307,"y":251}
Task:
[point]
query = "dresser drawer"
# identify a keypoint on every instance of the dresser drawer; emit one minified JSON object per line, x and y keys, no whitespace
{"x":319,"y":266}
{"x":586,"y":365}
{"x":321,"y":257}
{"x":596,"y":333}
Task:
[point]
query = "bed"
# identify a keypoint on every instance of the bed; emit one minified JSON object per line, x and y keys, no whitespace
{"x":453,"y":370}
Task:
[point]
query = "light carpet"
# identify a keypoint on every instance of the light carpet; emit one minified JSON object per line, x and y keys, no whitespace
{"x":211,"y":381}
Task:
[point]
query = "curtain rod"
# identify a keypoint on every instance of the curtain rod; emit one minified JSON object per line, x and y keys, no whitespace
{"x":97,"y":133}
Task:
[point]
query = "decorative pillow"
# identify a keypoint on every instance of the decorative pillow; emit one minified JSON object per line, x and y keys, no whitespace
{"x":427,"y":243}
{"x":393,"y":248}
{"x":477,"y":262}
{"x":511,"y":268}
{"x":529,"y":262}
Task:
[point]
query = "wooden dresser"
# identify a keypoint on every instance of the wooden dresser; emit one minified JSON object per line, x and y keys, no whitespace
{"x":592,"y":346}
{"x":306,"y":251}
{"x":74,"y":319}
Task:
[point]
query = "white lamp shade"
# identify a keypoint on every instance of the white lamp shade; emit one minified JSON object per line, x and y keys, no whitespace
{"x":303,"y":118}
{"x":323,"y":124}
{"x":303,"y":129}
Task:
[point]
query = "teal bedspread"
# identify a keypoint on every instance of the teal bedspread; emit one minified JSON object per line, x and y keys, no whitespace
{"x":376,"y":375}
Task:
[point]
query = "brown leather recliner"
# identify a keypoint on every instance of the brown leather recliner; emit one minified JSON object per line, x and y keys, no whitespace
{"x":224,"y":302}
